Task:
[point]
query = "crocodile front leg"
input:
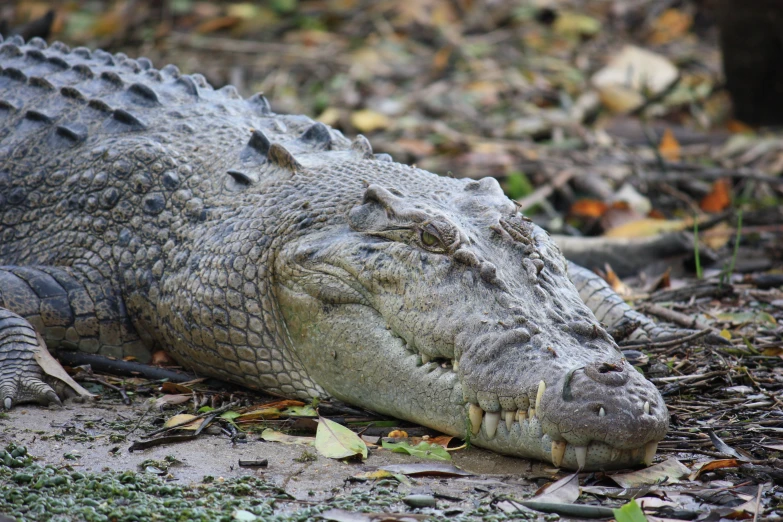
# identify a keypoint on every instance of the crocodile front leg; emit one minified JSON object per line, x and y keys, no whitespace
{"x":21,"y":378}
{"x":71,"y":308}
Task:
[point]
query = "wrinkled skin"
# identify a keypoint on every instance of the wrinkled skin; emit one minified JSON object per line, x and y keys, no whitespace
{"x":464,"y":281}
{"x":140,"y":209}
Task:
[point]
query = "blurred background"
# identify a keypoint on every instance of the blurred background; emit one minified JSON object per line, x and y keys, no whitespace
{"x":608,"y":117}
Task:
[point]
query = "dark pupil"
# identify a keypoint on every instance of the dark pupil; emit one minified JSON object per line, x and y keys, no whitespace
{"x":428,"y":239}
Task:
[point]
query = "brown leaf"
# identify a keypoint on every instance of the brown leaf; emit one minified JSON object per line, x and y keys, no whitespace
{"x":173,"y":387}
{"x":591,"y":208}
{"x":217,"y":24}
{"x":669,"y":147}
{"x":671,"y":25}
{"x":719,"y":197}
{"x":161,"y":358}
{"x":715,"y":464}
{"x":564,"y":491}
{"x":670,"y":471}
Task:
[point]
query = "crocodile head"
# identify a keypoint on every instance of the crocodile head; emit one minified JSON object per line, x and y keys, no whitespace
{"x":448,"y":308}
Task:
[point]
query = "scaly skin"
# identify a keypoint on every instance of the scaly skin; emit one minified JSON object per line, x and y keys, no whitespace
{"x":142,"y":209}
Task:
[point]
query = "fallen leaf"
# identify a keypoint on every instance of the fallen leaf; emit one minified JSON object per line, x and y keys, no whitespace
{"x":217,"y":24}
{"x":671,"y":471}
{"x":646,"y":227}
{"x":575,"y":25}
{"x":184,"y":417}
{"x":171,"y":400}
{"x":739,"y":318}
{"x":51,"y":367}
{"x":775,"y":447}
{"x":669,"y":147}
{"x":367,"y":120}
{"x":630,"y":512}
{"x":715,"y":464}
{"x":669,"y":26}
{"x":591,"y":208}
{"x":299,"y":411}
{"x":173,"y":387}
{"x":398,"y":434}
{"x":271,"y":435}
{"x":335,"y":441}
{"x":564,"y":491}
{"x":423,"y":450}
{"x":634,"y":73}
{"x":718,"y":199}
{"x":438,"y":469}
{"x":161,"y":358}
{"x":330,"y":116}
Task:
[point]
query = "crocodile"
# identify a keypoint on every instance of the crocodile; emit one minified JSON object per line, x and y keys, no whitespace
{"x":143,"y":209}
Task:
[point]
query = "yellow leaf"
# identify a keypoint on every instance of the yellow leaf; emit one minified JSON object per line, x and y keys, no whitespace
{"x":725,"y":334}
{"x":669,"y":147}
{"x":618,"y":99}
{"x":335,"y":441}
{"x":271,"y":435}
{"x":646,"y":227}
{"x":330,"y":116}
{"x":367,"y":120}
{"x":398,"y":434}
{"x":184,"y":417}
{"x":575,"y":25}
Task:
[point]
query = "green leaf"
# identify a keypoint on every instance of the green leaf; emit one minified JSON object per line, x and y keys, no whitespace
{"x":517,"y":185}
{"x":300,"y":411}
{"x":205,"y":409}
{"x":337,"y":442}
{"x":631,"y":512}
{"x":423,"y":450}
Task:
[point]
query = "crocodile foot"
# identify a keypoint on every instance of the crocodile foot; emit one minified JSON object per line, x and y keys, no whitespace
{"x":21,"y":377}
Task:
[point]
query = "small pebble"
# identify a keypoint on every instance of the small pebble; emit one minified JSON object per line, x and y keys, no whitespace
{"x":418,"y":501}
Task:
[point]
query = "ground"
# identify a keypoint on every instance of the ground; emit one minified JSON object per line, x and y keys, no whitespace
{"x":522,"y":91}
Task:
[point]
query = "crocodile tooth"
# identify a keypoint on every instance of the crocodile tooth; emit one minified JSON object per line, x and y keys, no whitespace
{"x":647,"y":407}
{"x":601,"y":412}
{"x":581,"y":456}
{"x":491,"y":420}
{"x":521,"y":416}
{"x":558,"y":451}
{"x":475,"y":413}
{"x":614,"y":455}
{"x":425,"y":358}
{"x":455,"y":365}
{"x":531,"y":412}
{"x":649,"y":452}
{"x":8,"y":403}
{"x":510,"y":416}
{"x":541,"y":389}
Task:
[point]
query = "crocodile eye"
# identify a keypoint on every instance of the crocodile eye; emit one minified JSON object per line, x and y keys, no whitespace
{"x":428,"y":239}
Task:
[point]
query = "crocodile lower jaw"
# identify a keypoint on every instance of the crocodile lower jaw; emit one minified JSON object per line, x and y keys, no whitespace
{"x":520,"y":433}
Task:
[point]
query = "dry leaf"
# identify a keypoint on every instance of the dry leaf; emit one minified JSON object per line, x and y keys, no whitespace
{"x":367,"y":120}
{"x":51,"y":367}
{"x":646,"y":227}
{"x":398,"y":434}
{"x":161,"y":358}
{"x":330,"y":116}
{"x":173,"y":387}
{"x":715,"y":464}
{"x":564,"y":491}
{"x":183,"y":417}
{"x":671,"y":470}
{"x":591,"y":208}
{"x":719,"y":197}
{"x":217,"y":24}
{"x":171,"y":400}
{"x":271,"y":435}
{"x":672,"y":24}
{"x":335,"y":441}
{"x":669,"y":147}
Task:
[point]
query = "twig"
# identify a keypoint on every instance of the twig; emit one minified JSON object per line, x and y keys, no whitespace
{"x":216,"y":411}
{"x":546,"y":190}
{"x":668,"y":343}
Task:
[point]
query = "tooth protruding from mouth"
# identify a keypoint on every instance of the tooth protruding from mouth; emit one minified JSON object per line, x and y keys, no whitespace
{"x":531,"y":412}
{"x":521,"y":416}
{"x":581,"y":456}
{"x":455,"y":365}
{"x":509,"y":416}
{"x":649,"y":452}
{"x":558,"y":451}
{"x":491,"y":421}
{"x":615,"y":454}
{"x":541,"y":390}
{"x":475,"y":413}
{"x":647,"y":407}
{"x":425,"y":358}
{"x":602,"y":412}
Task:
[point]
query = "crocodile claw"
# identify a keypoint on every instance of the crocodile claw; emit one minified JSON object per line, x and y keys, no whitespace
{"x":21,"y":378}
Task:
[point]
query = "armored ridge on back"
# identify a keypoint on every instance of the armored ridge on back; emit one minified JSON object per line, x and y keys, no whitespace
{"x":141,"y":209}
